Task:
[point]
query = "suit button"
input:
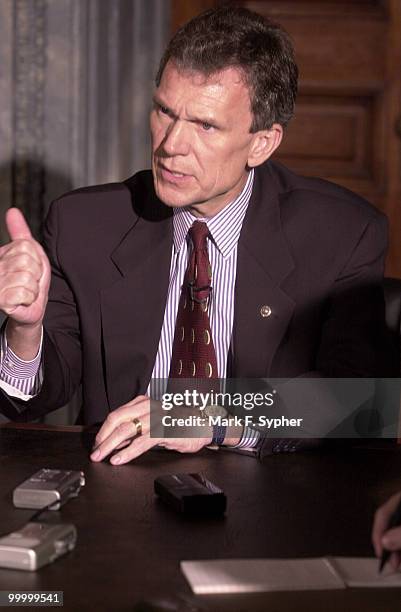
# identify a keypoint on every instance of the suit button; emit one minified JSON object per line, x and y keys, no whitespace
{"x":265,"y":311}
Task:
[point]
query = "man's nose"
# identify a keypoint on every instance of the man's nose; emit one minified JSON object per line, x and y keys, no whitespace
{"x":177,"y":138}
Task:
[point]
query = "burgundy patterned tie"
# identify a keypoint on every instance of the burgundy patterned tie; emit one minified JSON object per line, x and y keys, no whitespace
{"x":194,"y":355}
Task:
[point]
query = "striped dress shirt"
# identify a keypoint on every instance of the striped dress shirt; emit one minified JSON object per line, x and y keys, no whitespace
{"x":224,"y":229}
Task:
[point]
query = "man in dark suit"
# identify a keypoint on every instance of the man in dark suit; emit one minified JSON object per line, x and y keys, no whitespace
{"x":304,"y":272}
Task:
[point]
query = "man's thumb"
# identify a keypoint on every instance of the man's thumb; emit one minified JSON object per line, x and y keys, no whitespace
{"x":16,"y":225}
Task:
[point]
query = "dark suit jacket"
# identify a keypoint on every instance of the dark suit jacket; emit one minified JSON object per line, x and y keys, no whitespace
{"x":310,"y":250}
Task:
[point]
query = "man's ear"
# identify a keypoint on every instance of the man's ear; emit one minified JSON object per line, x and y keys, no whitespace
{"x":264,"y":143}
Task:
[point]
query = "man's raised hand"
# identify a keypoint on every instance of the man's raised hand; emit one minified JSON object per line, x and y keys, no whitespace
{"x":24,"y":283}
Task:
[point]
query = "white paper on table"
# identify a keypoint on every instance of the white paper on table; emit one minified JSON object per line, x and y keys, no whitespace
{"x":262,"y":575}
{"x":364,"y":572}
{"x":253,"y":575}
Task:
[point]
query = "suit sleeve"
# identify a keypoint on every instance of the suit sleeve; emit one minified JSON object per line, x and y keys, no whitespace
{"x":354,"y":340}
{"x":339,"y":398}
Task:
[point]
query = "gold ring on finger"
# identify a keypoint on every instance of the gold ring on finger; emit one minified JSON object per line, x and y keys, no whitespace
{"x":138,"y":426}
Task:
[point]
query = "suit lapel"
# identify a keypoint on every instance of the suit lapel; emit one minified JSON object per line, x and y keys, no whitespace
{"x":262,"y":309}
{"x":132,"y":308}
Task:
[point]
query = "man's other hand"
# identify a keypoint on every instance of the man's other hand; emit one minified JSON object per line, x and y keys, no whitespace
{"x":119,"y":433}
{"x":382,"y":537}
{"x":24,"y":286}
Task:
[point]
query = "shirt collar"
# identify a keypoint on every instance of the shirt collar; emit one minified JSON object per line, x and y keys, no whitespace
{"x":225,"y":227}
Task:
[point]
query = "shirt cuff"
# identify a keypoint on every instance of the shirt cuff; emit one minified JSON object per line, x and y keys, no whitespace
{"x":19,"y":378}
{"x":14,"y":366}
{"x":249,"y":440}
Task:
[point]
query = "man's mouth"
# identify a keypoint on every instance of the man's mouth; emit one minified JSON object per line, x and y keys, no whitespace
{"x":175,"y":173}
{"x":172,"y":176}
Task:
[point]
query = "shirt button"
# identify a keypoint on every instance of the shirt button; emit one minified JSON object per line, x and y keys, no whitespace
{"x":265,"y":311}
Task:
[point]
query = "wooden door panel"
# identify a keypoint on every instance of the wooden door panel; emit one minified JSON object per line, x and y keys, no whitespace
{"x":331,"y":136}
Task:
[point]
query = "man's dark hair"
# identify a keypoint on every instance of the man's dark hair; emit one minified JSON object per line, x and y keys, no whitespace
{"x":236,"y":37}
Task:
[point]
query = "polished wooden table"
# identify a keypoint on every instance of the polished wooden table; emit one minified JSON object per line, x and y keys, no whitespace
{"x":129,"y":545}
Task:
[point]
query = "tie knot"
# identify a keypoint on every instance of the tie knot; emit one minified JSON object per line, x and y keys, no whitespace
{"x":199,"y":232}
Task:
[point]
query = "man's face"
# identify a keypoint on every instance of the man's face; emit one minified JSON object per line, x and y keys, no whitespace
{"x":200,"y":138}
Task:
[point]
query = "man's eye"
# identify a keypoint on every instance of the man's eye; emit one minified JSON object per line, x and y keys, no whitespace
{"x":163,"y":109}
{"x":206,"y":126}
